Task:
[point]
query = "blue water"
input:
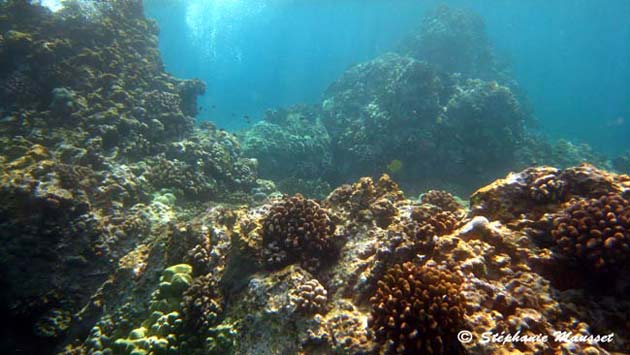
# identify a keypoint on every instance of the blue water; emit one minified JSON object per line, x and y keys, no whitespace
{"x":572,"y":58}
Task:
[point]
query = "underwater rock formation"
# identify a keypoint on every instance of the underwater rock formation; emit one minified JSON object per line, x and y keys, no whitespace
{"x":441,"y":112}
{"x":289,"y":143}
{"x":540,"y":150}
{"x":293,"y":149}
{"x":397,"y":108}
{"x":97,"y":145}
{"x":376,"y":112}
{"x":455,"y":41}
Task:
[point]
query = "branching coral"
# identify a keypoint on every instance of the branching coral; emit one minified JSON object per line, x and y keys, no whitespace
{"x":310,"y":297}
{"x":427,"y":223}
{"x":547,"y":188}
{"x":434,"y":221}
{"x":202,"y":303}
{"x":296,"y":228}
{"x":417,"y":309}
{"x":595,"y":231}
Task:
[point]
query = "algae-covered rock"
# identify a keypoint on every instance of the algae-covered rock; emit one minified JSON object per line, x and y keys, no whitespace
{"x":92,"y":126}
{"x":289,"y":143}
{"x":454,"y":40}
{"x":399,"y":115}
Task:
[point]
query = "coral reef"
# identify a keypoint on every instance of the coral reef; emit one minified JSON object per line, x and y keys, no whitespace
{"x":125,"y":229}
{"x":380,"y":111}
{"x":540,"y":150}
{"x":441,"y":112}
{"x":159,"y":333}
{"x":430,"y":221}
{"x":418,"y":309}
{"x":481,"y":130}
{"x":535,"y":191}
{"x":97,"y":145}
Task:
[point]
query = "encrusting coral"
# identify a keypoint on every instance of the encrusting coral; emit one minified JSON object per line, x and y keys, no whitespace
{"x":418,"y":309}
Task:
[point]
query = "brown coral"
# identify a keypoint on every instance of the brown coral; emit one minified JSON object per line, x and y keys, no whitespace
{"x":296,"y":228}
{"x":441,"y":199}
{"x":417,"y":309}
{"x":432,"y":221}
{"x":384,"y":212}
{"x":310,"y":297}
{"x":595,"y":231}
{"x":547,"y":188}
{"x":202,"y":303}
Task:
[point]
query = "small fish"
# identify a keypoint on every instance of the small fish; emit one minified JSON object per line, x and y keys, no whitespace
{"x":395,"y":166}
{"x":200,"y":108}
{"x":617,"y":122}
{"x":213,"y":107}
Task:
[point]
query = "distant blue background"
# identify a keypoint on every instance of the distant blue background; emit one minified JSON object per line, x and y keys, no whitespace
{"x":571,"y":57}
